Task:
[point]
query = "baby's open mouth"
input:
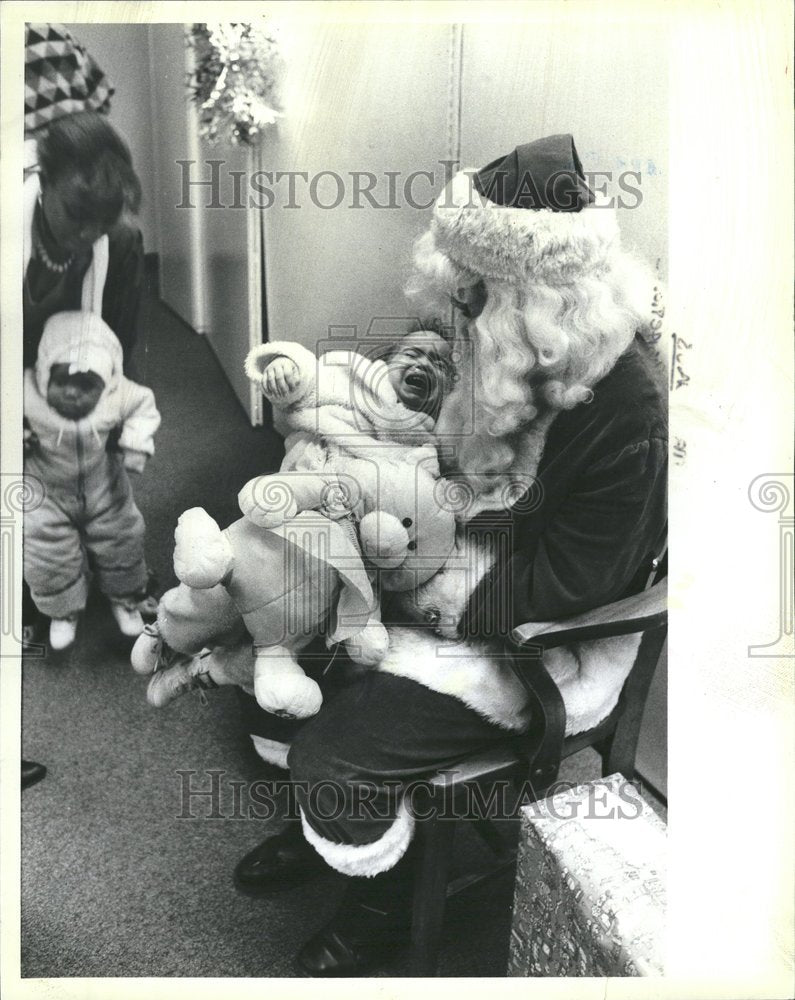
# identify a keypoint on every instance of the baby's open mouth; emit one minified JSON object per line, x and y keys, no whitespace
{"x":419,"y":388}
{"x":418,"y":383}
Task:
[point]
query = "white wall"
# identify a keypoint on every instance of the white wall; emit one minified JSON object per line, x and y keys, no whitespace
{"x":208,"y":242}
{"x":359,"y":97}
{"x":229,"y":249}
{"x":122,"y":51}
{"x":549,"y":76}
{"x":388,"y":97}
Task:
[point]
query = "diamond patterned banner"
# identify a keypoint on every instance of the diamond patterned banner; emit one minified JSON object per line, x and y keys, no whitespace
{"x":61,"y":78}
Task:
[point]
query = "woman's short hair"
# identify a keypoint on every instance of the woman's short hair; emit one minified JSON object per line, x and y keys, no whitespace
{"x":87,"y":156}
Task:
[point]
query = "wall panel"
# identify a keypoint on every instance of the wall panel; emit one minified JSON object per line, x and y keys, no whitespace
{"x":360,"y":98}
{"x":178,"y":239}
{"x":547,"y":76}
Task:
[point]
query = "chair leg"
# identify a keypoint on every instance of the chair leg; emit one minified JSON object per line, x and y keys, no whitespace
{"x":491,"y":837}
{"x":618,"y":755}
{"x":619,"y":751}
{"x":435,"y":845}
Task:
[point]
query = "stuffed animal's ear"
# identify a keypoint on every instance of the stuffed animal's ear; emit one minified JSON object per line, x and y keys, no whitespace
{"x":202,"y":553}
{"x":354,"y":603}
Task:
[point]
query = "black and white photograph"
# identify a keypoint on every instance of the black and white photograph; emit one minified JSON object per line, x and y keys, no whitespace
{"x":372,"y":362}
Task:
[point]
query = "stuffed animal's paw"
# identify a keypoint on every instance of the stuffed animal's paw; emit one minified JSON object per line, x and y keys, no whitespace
{"x":282,"y":688}
{"x":370,"y":646}
{"x":267,"y":502}
{"x":203,"y":555}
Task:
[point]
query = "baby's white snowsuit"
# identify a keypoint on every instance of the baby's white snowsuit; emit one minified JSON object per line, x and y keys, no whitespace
{"x":86,"y":503}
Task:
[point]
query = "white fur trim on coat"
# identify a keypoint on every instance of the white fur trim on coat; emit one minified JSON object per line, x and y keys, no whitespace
{"x":258,"y":359}
{"x":85,"y":342}
{"x":341,"y":395}
{"x":365,"y":860}
{"x":590,"y":676}
{"x":506,"y":243}
{"x":271,"y":751}
{"x":449,"y":666}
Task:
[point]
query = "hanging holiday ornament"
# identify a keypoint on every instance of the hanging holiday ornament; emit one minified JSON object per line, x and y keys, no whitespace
{"x":235,"y":80}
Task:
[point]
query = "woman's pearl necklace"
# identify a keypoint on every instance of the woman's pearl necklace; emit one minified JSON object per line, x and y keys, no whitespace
{"x":42,"y":254}
{"x":50,"y":264}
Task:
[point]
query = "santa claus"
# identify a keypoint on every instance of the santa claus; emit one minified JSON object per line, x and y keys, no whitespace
{"x":556,"y":431}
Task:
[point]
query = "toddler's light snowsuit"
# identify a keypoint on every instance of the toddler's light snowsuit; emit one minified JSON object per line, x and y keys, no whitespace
{"x":88,"y":505}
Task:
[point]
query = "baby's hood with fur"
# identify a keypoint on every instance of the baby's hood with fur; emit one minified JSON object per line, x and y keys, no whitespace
{"x":342,"y":396}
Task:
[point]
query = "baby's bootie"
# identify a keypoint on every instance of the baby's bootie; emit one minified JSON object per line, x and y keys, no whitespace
{"x":128,"y":618}
{"x":183,"y":676}
{"x":63,"y":632}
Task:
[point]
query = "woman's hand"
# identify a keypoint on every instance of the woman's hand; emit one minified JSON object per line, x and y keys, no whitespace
{"x":280,"y":378}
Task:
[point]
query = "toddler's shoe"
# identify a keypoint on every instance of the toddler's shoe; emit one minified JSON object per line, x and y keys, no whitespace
{"x":188,"y":675}
{"x":128,"y":618}
{"x":146,"y":600}
{"x":148,"y":649}
{"x":63,"y":632}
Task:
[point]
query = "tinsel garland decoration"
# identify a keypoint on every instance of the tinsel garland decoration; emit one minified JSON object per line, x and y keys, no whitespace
{"x":235,"y":80}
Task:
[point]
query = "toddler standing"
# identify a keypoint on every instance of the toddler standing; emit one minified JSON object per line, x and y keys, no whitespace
{"x":73,"y":399}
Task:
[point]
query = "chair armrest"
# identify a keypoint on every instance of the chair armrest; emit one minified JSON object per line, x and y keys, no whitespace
{"x":638,"y":613}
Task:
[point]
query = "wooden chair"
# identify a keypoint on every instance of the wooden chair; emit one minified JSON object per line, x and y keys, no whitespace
{"x":534,"y":758}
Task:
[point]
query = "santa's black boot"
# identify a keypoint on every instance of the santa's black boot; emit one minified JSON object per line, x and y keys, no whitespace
{"x":284,"y":859}
{"x":370,"y":928}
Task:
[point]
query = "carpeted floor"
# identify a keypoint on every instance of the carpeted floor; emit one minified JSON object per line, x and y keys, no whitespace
{"x":114,"y":881}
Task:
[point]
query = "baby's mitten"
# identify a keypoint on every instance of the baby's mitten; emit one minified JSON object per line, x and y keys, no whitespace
{"x":134,"y":461}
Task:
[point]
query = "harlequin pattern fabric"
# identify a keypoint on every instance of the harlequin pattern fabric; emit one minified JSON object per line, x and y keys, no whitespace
{"x":590,"y":885}
{"x":61,"y":78}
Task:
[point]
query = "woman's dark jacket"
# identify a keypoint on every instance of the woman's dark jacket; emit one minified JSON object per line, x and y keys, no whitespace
{"x":120,"y":301}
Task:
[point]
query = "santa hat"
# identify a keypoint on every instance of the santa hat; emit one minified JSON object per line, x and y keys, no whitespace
{"x":85,"y":342}
{"x":527,"y":216}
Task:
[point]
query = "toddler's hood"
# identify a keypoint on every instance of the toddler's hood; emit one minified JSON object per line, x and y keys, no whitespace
{"x":85,"y":342}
